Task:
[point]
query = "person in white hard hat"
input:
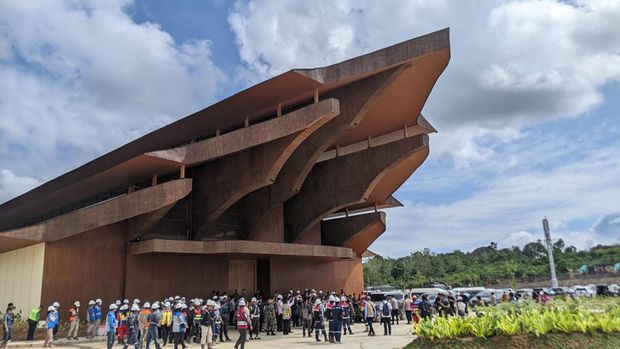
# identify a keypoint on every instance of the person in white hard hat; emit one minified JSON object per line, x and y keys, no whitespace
{"x":111,"y":324}
{"x":50,"y":323}
{"x":179,"y":325}
{"x":74,"y":321}
{"x":97,"y":316}
{"x":207,"y":322}
{"x":153,"y":326}
{"x":279,"y":309}
{"x":346,"y":315}
{"x":318,"y":312}
{"x":243,"y":324}
{"x":123,"y":316}
{"x":132,"y":327}
{"x":90,"y":318}
{"x":56,"y":306}
{"x":255,"y":318}
{"x":166,"y":323}
{"x":143,"y":319}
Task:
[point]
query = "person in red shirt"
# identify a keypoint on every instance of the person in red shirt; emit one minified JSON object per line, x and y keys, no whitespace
{"x":243,"y":324}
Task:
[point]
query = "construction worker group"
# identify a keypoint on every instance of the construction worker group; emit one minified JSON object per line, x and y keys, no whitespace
{"x":176,"y":320}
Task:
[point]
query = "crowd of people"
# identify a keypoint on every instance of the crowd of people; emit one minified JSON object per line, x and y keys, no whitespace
{"x":180,"y":321}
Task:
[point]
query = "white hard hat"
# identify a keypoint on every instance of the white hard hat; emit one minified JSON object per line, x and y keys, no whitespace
{"x":332,"y":298}
{"x":317,"y":302}
{"x":210,"y":302}
{"x":98,"y":300}
{"x":136,"y":300}
{"x":155,"y":306}
{"x":51,"y":308}
{"x":167,"y":304}
{"x":242,"y":302}
{"x":91,"y":302}
{"x":77,"y":303}
{"x":124,"y":307}
{"x":253,"y":299}
{"x":126,"y":301}
{"x":178,"y":306}
{"x":177,"y":297}
{"x":113,"y":306}
{"x":279,"y":296}
{"x":343,"y":299}
{"x":135,"y":307}
{"x":146,"y":305}
{"x":56,"y":304}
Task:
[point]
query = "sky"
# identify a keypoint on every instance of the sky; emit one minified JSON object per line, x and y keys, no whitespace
{"x":527,"y":110}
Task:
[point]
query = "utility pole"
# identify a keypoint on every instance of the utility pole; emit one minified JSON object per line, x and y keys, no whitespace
{"x":554,"y":280}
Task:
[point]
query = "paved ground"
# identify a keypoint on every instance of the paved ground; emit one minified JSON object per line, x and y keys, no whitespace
{"x":401,"y":336}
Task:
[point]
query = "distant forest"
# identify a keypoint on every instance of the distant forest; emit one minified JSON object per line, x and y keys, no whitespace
{"x":483,"y":266}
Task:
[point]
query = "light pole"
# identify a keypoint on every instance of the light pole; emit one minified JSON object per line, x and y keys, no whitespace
{"x":554,"y":280}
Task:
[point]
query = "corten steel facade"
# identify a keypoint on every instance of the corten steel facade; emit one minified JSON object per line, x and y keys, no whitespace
{"x":276,"y":187}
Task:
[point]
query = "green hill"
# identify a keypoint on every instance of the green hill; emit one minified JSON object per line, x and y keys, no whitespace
{"x":484,"y":265}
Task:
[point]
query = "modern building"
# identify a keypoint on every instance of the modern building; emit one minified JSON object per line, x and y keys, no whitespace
{"x":279,"y":186}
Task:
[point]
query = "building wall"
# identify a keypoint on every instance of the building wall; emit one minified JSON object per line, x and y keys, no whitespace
{"x":86,"y":266}
{"x":299,"y":274}
{"x":21,"y":276}
{"x":158,"y":276}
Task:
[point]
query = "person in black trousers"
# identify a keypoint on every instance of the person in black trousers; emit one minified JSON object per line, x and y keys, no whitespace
{"x":33,"y":321}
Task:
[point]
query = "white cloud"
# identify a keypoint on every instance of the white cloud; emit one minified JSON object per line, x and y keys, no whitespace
{"x":79,"y":79}
{"x":11,"y":185}
{"x":513,"y":63}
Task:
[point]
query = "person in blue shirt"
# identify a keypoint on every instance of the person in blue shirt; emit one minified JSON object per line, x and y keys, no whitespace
{"x":111,"y":324}
{"x":179,"y":324}
{"x":8,"y":323}
{"x":97,"y":317}
{"x":50,"y":324}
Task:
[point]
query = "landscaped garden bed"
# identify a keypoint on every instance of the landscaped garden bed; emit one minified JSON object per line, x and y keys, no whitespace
{"x":557,"y":324}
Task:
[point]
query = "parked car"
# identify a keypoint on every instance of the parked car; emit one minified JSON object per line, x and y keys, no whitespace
{"x":548,"y":291}
{"x":586,"y":291}
{"x":486,"y":296}
{"x":470,"y":291}
{"x":607,"y":290}
{"x":563,"y":290}
{"x":525,"y":293}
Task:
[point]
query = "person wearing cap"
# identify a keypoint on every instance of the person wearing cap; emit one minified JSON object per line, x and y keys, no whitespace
{"x":255,"y":318}
{"x":318,"y":312}
{"x":270,"y":317}
{"x":74,"y":321}
{"x":143,"y":319}
{"x":330,"y":320}
{"x":244,"y":322}
{"x":287,"y":314}
{"x":110,"y":325}
{"x":90,"y":314}
{"x":207,"y":321}
{"x":132,"y":327}
{"x":154,"y":319}
{"x":33,"y":321}
{"x":50,"y":323}
{"x":166,"y":324}
{"x":179,"y":325}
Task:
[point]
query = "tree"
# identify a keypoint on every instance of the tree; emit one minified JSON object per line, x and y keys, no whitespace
{"x":559,"y":245}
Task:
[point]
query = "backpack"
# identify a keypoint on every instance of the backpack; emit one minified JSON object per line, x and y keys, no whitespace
{"x":385,"y":310}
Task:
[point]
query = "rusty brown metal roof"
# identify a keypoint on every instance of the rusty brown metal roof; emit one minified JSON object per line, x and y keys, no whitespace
{"x":428,"y":54}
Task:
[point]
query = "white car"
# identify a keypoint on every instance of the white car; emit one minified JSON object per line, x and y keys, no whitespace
{"x":585,"y":291}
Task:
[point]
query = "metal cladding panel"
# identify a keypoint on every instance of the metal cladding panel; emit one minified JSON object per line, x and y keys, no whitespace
{"x":86,"y":266}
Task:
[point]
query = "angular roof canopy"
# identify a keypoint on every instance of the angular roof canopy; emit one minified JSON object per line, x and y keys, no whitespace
{"x":426,"y":56}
